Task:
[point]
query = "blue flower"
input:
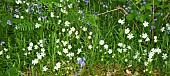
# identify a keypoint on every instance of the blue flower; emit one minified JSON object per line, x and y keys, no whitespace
{"x":9,"y":22}
{"x":86,"y":1}
{"x":168,"y":31}
{"x":152,"y":28}
{"x":81,"y":62}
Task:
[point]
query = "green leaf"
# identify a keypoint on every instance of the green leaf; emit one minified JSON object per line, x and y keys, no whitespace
{"x":91,"y":19}
{"x":148,"y":6}
{"x":142,"y":8}
{"x":142,"y":18}
{"x":12,"y":71}
{"x":138,"y":1}
{"x":9,"y":1}
{"x":130,"y":17}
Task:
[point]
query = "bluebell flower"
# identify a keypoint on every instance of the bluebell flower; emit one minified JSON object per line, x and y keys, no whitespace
{"x":168,"y":31}
{"x":86,"y":1}
{"x":81,"y":62}
{"x":9,"y":22}
{"x":2,"y":42}
{"x":78,"y":71}
{"x":152,"y":28}
{"x":16,"y":10}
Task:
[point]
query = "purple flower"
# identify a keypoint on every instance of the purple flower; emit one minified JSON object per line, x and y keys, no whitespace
{"x":81,"y":62}
{"x":86,"y":1}
{"x":2,"y":42}
{"x":16,"y":10}
{"x":168,"y":31}
{"x":9,"y":22}
{"x":152,"y":27}
{"x":78,"y":71}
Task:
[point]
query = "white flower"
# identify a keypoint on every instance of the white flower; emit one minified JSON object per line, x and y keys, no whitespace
{"x":31,"y":44}
{"x":158,"y":50}
{"x":124,"y":46}
{"x":127,"y":30}
{"x":45,"y":68}
{"x":155,"y":37}
{"x":140,"y":40}
{"x":70,"y":6}
{"x":25,"y":54}
{"x":126,"y":60}
{"x":124,"y":50}
{"x":90,"y":33}
{"x":145,"y":24}
{"x":150,"y":59}
{"x":67,"y":23}
{"x":70,"y":32}
{"x":101,"y":42}
{"x":59,"y":53}
{"x":144,"y":35}
{"x":120,"y":44}
{"x":52,"y":14}
{"x":42,"y":54}
{"x":76,"y":33}
{"x":155,"y":41}
{"x":77,"y":36}
{"x":105,"y":46}
{"x":41,"y":45}
{"x":128,"y":47}
{"x":35,"y":46}
{"x":64,"y":43}
{"x":64,"y":10}
{"x":29,"y":48}
{"x":89,"y":37}
{"x":59,"y":21}
{"x":90,"y":46}
{"x":37,"y":25}
{"x":130,"y":36}
{"x":119,"y":50}
{"x":70,"y":54}
{"x":167,"y":25}
{"x":151,"y":54}
{"x":168,"y":28}
{"x":22,"y":17}
{"x":164,"y":56}
{"x":1,"y":52}
{"x":39,"y":18}
{"x":7,"y":56}
{"x":121,"y":21}
{"x":162,"y":29}
{"x":5,"y":49}
{"x":110,"y":51}
{"x":69,"y":46}
{"x":147,"y":39}
{"x":79,"y":50}
{"x":42,"y":50}
{"x":35,"y":61}
{"x":18,"y":1}
{"x":58,"y":40}
{"x":146,"y":63}
{"x":41,"y":41}
{"x":63,"y":29}
{"x":23,"y":49}
{"x":57,"y":66}
{"x":39,"y":56}
{"x":72,"y":29}
{"x":65,"y":50}
{"x":84,"y":29}
{"x":113,"y":55}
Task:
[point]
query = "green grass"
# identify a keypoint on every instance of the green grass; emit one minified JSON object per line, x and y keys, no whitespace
{"x":94,"y":18}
